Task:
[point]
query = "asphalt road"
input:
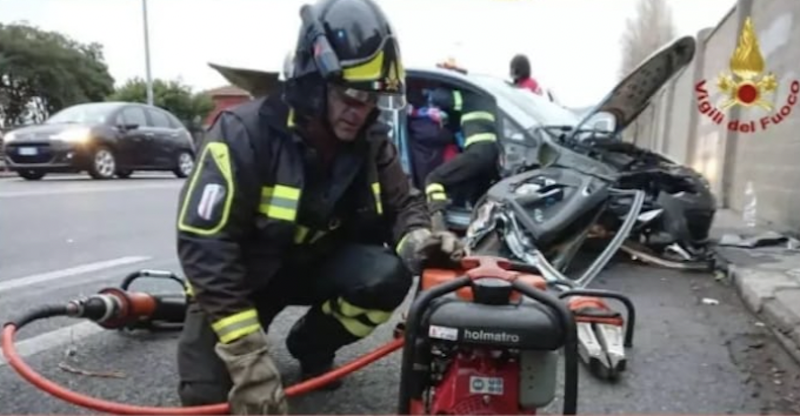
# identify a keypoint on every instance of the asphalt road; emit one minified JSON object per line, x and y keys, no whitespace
{"x":70,"y":236}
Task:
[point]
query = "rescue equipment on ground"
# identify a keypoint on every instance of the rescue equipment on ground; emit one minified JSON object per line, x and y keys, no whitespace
{"x":480,"y":338}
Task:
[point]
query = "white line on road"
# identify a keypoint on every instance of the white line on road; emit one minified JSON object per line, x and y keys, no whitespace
{"x":52,"y":339}
{"x":89,"y":190}
{"x":72,"y":271}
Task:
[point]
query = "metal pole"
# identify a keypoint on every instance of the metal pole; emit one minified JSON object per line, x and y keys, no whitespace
{"x":147,"y":54}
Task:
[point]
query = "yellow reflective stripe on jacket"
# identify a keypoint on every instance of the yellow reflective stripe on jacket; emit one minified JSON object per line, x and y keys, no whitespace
{"x":189,"y":289}
{"x":477,"y":115}
{"x":376,"y":192}
{"x":236,"y":326}
{"x":480,"y":137}
{"x":435,"y":192}
{"x":221,"y":156}
{"x":350,"y":317}
{"x":280,"y":202}
{"x":458,"y":100}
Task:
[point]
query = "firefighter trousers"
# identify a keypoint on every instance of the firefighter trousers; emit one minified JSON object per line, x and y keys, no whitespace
{"x":350,"y":292}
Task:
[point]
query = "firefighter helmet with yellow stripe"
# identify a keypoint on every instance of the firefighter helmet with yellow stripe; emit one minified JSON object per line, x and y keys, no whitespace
{"x":351,"y":44}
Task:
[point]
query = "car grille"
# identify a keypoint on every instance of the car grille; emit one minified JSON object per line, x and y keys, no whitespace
{"x":16,"y":152}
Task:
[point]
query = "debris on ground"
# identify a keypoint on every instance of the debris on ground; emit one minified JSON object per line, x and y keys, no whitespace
{"x":765,"y":239}
{"x":102,"y":374}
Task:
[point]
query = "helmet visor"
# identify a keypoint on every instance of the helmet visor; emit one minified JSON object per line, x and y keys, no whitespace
{"x":373,"y":98}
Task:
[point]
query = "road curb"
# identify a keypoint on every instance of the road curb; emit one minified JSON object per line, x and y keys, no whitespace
{"x":771,"y":295}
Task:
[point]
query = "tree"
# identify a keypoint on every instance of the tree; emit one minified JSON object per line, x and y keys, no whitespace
{"x":42,"y":72}
{"x":173,"y":96}
{"x":647,"y":31}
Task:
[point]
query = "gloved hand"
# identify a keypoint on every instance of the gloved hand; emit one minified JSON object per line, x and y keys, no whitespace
{"x":423,"y":247}
{"x":257,"y":387}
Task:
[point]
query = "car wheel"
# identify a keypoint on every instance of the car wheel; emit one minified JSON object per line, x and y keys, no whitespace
{"x":31,"y":175}
{"x":185,"y":165}
{"x":104,"y":164}
{"x":124,"y":174}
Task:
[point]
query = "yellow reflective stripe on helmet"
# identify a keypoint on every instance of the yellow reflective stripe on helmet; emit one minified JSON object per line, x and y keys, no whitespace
{"x":280,"y":202}
{"x":376,"y":192}
{"x":477,"y":115}
{"x":480,"y":137}
{"x":368,"y":71}
{"x":458,"y":101}
{"x":221,"y":156}
{"x":236,"y":326}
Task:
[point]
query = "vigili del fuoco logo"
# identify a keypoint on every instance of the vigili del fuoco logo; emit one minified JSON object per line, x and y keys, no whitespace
{"x":748,"y":86}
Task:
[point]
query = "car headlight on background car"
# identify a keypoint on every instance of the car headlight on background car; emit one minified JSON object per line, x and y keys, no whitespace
{"x":8,"y":137}
{"x":75,"y":135}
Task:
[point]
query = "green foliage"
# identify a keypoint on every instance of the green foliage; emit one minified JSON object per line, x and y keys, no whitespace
{"x":173,"y":96}
{"x":42,"y":72}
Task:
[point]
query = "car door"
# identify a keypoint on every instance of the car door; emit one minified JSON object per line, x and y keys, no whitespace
{"x":133,"y":145}
{"x":165,"y":150}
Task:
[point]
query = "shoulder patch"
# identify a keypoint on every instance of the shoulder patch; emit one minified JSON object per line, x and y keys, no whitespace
{"x":209,"y":194}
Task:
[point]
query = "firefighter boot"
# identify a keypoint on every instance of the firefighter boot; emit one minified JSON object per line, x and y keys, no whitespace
{"x":314,"y":340}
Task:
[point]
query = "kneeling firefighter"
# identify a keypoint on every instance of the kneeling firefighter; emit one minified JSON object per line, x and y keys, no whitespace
{"x":467,"y":176}
{"x":293,"y":201}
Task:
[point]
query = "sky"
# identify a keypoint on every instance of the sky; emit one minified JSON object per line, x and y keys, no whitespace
{"x":574,"y":45}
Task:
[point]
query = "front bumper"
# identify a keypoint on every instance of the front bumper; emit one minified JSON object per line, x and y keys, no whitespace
{"x":53,"y":156}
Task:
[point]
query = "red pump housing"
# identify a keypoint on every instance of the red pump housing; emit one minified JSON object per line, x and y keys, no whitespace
{"x":478,"y":384}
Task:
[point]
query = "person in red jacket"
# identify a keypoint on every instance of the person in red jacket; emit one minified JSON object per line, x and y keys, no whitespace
{"x":521,"y":74}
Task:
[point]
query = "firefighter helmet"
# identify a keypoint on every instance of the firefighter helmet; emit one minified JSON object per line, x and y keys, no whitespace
{"x":351,"y":44}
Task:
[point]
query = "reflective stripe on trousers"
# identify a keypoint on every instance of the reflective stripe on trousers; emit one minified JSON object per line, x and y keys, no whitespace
{"x":358,"y":321}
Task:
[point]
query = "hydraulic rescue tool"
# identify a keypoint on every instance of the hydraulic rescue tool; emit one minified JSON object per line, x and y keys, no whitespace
{"x":480,"y":338}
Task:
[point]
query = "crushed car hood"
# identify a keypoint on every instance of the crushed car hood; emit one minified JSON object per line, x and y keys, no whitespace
{"x":257,"y":83}
{"x":633,"y":94}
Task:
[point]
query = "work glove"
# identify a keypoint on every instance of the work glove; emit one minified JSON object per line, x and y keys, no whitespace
{"x":425,"y":248}
{"x":257,"y":387}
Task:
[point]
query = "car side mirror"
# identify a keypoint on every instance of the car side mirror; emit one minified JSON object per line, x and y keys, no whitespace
{"x":546,"y":154}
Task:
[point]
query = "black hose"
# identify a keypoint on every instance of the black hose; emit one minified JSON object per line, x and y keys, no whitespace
{"x":42,"y":312}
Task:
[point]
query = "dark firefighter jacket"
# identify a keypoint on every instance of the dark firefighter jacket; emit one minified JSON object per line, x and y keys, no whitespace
{"x":474,"y":169}
{"x":238,"y":213}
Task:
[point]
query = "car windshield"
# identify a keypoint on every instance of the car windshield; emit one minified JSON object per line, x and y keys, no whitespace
{"x":94,"y":113}
{"x":530,"y":109}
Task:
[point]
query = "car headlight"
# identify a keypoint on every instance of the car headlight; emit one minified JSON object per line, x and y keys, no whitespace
{"x":76,"y":135}
{"x":9,"y":137}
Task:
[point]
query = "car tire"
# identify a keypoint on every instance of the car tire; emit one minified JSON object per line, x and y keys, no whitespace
{"x":31,"y":174}
{"x":124,"y":174}
{"x":185,"y":164}
{"x":104,"y":164}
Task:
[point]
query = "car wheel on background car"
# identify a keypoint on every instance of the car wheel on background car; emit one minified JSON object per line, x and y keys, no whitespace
{"x":185,"y":165}
{"x":31,"y":174}
{"x":124,"y":173}
{"x":104,"y":164}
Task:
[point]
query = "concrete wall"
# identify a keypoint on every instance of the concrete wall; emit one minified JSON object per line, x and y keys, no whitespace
{"x":729,"y":159}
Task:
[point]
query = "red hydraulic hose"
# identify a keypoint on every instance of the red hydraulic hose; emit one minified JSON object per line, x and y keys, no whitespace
{"x":78,"y":399}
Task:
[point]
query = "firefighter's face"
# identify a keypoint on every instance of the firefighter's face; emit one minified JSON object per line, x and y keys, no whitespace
{"x":348,"y":110}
